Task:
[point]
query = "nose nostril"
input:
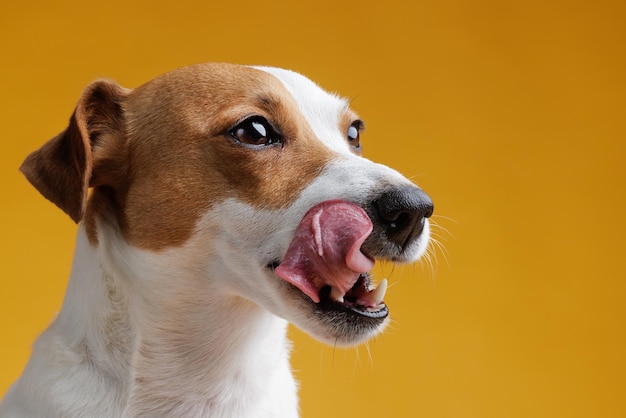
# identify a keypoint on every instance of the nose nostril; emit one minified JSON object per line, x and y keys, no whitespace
{"x":402,"y":213}
{"x":402,"y":220}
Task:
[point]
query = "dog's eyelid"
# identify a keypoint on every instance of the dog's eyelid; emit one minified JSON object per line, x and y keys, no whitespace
{"x":358,"y":124}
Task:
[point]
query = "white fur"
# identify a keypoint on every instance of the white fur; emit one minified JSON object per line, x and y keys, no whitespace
{"x":197,"y":330}
{"x":320,"y":108}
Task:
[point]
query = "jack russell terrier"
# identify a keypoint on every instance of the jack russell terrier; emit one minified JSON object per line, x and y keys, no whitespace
{"x":216,"y":204}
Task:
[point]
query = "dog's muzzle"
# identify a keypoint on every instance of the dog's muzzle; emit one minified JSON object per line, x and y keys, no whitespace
{"x":336,"y":243}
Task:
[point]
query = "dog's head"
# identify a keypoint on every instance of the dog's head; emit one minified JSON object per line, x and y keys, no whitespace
{"x":250,"y":180}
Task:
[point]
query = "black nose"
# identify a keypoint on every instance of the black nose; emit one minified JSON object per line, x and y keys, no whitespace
{"x":402,"y":213}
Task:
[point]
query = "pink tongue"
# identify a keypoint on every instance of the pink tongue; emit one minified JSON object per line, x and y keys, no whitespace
{"x":325,"y":249}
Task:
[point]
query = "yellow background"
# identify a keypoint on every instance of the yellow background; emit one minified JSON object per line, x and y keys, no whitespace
{"x":511,"y":114}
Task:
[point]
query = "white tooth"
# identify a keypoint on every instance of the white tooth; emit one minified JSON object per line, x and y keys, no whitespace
{"x":336,"y":295}
{"x":378,"y":294}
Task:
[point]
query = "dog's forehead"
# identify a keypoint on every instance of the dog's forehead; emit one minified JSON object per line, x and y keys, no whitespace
{"x":211,"y":87}
{"x":325,"y":112}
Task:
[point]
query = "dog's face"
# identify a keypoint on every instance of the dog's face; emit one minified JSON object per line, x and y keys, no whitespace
{"x":247,"y":180}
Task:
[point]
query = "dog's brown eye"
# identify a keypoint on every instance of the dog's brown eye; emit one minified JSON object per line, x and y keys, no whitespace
{"x":354,"y":134}
{"x":255,"y":131}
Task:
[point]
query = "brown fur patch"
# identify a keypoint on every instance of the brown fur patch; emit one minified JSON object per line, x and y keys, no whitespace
{"x":179,"y":159}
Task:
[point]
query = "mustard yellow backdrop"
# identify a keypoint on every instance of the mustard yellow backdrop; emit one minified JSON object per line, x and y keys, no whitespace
{"x":511,"y":114}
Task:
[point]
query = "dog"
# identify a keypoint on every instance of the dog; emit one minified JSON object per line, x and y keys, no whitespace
{"x":215,"y":203}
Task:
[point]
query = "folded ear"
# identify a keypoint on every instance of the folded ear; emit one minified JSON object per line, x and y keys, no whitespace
{"x":62,"y":169}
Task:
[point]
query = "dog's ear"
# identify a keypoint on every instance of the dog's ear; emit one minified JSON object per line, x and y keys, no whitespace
{"x":63,"y":168}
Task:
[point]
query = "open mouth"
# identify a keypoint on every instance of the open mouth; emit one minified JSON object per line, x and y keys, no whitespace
{"x":361,"y":299}
{"x":324,"y":260}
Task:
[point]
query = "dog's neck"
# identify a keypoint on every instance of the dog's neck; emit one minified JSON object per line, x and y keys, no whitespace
{"x":182,"y":351}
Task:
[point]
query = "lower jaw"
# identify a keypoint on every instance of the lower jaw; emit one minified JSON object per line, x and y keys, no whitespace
{"x":328,"y":305}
